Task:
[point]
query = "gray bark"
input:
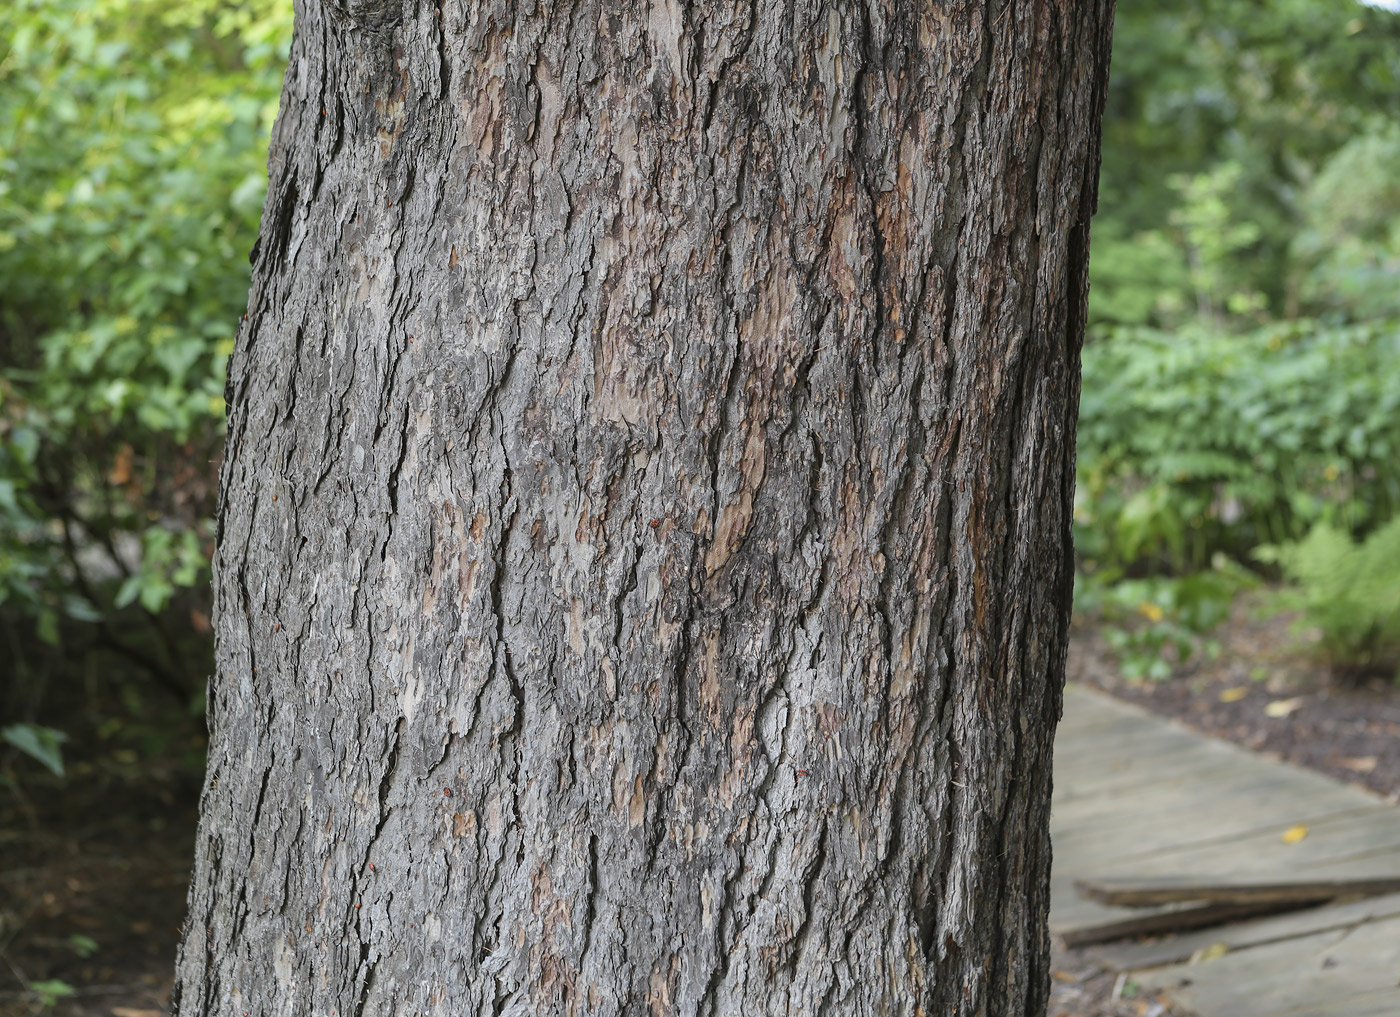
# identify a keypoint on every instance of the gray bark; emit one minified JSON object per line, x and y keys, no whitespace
{"x":644,"y":563}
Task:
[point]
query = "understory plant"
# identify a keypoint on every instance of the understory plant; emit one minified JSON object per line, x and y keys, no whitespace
{"x":1200,"y":446}
{"x":1350,"y":591}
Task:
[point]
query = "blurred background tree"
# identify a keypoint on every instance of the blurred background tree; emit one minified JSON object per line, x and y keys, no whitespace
{"x":1242,"y":373}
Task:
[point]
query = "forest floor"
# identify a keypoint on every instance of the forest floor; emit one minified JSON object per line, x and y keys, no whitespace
{"x":92,"y":892}
{"x":93,"y":872}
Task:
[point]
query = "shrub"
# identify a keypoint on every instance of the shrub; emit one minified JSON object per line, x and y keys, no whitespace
{"x":132,"y":152}
{"x":1145,"y":618}
{"x":133,"y":141}
{"x":1199,"y":447}
{"x":1203,"y":441}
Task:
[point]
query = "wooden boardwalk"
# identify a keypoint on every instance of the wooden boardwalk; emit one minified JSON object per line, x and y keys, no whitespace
{"x":1141,"y":798}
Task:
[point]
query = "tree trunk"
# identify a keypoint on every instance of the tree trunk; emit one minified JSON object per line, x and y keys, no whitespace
{"x":644,"y":566}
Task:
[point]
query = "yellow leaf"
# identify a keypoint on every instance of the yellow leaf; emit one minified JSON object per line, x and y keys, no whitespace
{"x":1234,"y":695}
{"x":1150,"y":611}
{"x":1209,"y":953}
{"x":1283,"y":707}
{"x":120,"y":474}
{"x":1294,"y":834}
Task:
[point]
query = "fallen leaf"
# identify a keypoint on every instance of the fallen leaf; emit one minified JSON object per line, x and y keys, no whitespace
{"x":1294,"y":834}
{"x":133,"y":1011}
{"x":1210,"y":953}
{"x":1234,"y":695}
{"x":1063,"y":976}
{"x":1361,"y":764}
{"x":1283,"y":707}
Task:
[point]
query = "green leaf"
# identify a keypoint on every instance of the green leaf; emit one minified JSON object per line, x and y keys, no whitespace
{"x":42,"y":743}
{"x":129,"y":591}
{"x":83,"y":946}
{"x":51,"y":991}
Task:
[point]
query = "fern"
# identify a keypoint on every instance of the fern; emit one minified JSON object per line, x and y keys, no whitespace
{"x":1349,"y":590}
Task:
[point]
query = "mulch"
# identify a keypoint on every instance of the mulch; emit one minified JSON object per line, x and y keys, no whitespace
{"x":110,"y":862}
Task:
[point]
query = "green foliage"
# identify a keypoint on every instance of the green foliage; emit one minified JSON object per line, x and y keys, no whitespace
{"x":83,"y":946}
{"x":48,"y":992}
{"x":1201,"y":442}
{"x":132,"y":154}
{"x":1350,"y":590}
{"x":1146,"y":618}
{"x":1216,"y":240}
{"x":1220,"y":114}
{"x":1348,"y":248}
{"x":1242,"y":375}
{"x":42,"y":743}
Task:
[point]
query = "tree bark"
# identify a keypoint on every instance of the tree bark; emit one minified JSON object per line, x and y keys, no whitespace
{"x":644,"y":568}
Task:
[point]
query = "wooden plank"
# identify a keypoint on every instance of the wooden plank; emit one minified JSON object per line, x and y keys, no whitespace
{"x":1136,"y":795}
{"x":1135,"y":956}
{"x":1089,"y":781}
{"x":1069,"y":911}
{"x":1233,"y":771}
{"x":1386,"y":858}
{"x":1188,"y":824}
{"x":1325,"y":853}
{"x":1224,"y":823}
{"x":1344,"y":973}
{"x":1385,"y":1003}
{"x":1162,"y":920}
{"x":1126,"y":737}
{"x":1085,"y":757}
{"x":1147,"y":893}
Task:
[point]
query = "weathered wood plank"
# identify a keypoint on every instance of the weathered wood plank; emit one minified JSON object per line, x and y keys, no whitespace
{"x":1140,"y":893}
{"x":1136,"y":956}
{"x":1347,"y":845}
{"x":1348,"y":841}
{"x":1341,"y":973}
{"x":1204,"y":825}
{"x":1138,"y":796}
{"x":1163,"y":920}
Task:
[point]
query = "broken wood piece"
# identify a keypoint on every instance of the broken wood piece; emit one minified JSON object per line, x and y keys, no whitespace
{"x":1162,"y":922}
{"x":1178,"y":949}
{"x":1130,"y":893}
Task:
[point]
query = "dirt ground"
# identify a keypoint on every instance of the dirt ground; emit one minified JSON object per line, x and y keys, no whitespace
{"x":92,"y":891}
{"x":93,"y":870}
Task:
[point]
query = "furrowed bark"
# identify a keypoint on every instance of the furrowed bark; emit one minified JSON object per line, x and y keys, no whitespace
{"x":644,"y":563}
